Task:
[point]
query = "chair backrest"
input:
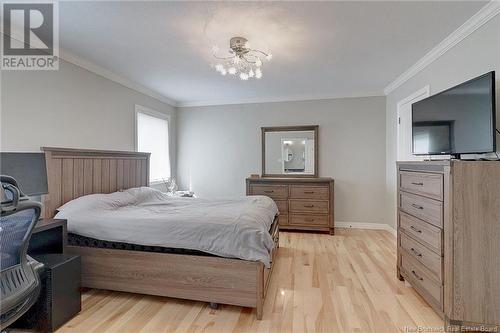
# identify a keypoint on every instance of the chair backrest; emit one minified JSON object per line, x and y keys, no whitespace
{"x":19,"y":279}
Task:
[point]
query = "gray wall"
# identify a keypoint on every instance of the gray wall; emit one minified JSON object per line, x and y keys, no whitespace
{"x":219,"y":146}
{"x":71,"y":107}
{"x":477,"y":54}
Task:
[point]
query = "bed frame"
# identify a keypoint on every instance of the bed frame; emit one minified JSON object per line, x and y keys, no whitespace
{"x":76,"y":172}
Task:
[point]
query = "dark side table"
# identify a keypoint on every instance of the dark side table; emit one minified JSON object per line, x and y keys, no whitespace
{"x":49,"y":236}
{"x":60,"y":294}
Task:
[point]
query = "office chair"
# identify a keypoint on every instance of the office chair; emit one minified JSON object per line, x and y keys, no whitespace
{"x":19,"y":273}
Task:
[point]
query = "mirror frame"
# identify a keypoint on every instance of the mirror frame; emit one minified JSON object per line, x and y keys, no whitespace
{"x":313,"y":128}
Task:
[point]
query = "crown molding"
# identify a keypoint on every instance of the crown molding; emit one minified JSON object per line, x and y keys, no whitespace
{"x":101,"y":71}
{"x":302,"y":98}
{"x":485,"y":14}
{"x":110,"y":75}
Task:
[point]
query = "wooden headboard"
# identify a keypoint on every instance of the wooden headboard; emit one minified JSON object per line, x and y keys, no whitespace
{"x":73,"y":173}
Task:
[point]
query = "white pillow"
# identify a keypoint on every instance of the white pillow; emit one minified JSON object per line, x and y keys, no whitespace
{"x":132,"y":196}
{"x":146,"y":194}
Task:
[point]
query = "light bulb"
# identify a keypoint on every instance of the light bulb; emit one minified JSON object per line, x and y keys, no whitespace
{"x":231,"y":70}
{"x":258,"y":71}
{"x":258,"y":75}
{"x":269,"y":56}
{"x":244,"y":76}
{"x":258,"y":62}
{"x":236,"y":60}
{"x":223,"y":71}
{"x":251,"y":73}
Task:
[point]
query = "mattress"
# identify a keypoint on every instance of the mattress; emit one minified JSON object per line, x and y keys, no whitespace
{"x":79,"y":240}
{"x":148,"y":219}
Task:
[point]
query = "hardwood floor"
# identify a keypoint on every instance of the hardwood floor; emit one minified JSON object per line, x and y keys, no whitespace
{"x":321,"y":283}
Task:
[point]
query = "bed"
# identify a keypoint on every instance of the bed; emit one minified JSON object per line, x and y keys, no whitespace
{"x":114,"y":251}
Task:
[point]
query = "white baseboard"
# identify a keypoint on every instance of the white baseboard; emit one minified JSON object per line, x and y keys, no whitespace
{"x":370,"y":226}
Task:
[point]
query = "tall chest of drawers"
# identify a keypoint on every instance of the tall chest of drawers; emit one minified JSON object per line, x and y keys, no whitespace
{"x":449,"y":237}
{"x":303,"y":203}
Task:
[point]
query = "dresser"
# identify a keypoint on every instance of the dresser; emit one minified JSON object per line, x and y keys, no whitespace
{"x":449,"y":237}
{"x":303,"y":203}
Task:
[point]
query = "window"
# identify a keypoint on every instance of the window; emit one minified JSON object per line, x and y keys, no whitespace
{"x":152,"y":136}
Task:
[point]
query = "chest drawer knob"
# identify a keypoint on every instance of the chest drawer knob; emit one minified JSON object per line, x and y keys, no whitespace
{"x":416,"y":252}
{"x":417,"y":276}
{"x":417,"y":206}
{"x":269,"y":191}
{"x":309,"y":192}
{"x":415,"y":229}
{"x":309,"y":206}
{"x":418,"y":183}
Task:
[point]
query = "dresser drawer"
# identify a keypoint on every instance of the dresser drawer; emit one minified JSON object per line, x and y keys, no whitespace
{"x":272,"y":191}
{"x":420,"y":279}
{"x":305,"y":220}
{"x":422,"y":254}
{"x":282,"y":206}
{"x":422,"y":231}
{"x":309,"y":192}
{"x":283,"y":220}
{"x":426,"y":209}
{"x":308,"y":206}
{"x":426,"y":184}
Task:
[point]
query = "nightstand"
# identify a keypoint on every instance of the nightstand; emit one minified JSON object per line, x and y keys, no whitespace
{"x":60,"y":294}
{"x":49,"y":236}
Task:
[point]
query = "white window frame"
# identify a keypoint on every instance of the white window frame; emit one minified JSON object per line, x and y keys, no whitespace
{"x":156,"y":114}
{"x":413,"y":98}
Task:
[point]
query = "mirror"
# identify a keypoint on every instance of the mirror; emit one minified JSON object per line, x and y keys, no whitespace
{"x":290,"y":151}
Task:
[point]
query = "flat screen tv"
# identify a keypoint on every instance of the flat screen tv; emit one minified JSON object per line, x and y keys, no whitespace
{"x":460,"y":120}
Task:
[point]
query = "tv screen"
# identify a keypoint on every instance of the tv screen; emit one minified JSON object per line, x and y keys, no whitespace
{"x":460,"y":120}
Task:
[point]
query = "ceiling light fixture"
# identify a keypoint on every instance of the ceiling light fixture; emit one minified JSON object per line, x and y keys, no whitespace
{"x":242,"y":61}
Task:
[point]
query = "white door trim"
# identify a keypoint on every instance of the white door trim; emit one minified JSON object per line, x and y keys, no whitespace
{"x":415,"y":97}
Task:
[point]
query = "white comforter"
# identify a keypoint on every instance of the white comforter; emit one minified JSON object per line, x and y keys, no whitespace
{"x":236,"y":228}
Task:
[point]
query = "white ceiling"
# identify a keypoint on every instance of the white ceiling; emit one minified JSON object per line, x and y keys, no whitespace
{"x":320,"y":49}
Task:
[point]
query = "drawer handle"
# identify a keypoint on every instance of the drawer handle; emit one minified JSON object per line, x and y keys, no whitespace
{"x":309,"y":206}
{"x":269,"y":191}
{"x":416,"y":275}
{"x":309,"y":220}
{"x":308,"y":192}
{"x":417,"y":206}
{"x":415,"y":229}
{"x":416,"y":253}
{"x":418,"y":184}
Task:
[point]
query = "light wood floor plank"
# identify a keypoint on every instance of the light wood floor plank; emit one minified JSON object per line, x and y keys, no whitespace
{"x":321,"y":283}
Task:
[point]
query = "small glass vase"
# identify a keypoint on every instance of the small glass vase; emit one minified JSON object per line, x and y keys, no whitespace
{"x":170,"y":185}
